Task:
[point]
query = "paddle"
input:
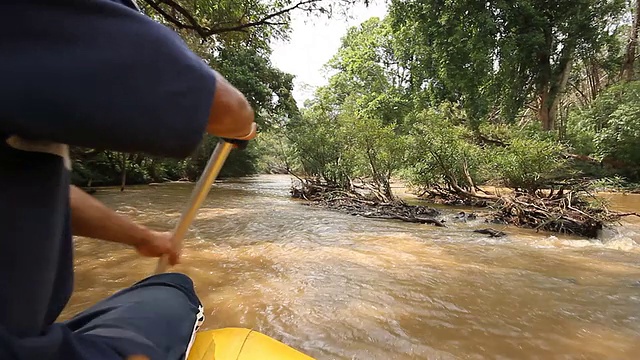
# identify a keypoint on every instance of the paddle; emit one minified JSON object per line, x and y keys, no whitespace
{"x":209,"y":175}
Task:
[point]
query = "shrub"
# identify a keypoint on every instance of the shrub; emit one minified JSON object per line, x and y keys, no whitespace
{"x":528,"y":164}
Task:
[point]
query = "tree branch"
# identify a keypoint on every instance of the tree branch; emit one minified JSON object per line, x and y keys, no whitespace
{"x":190,"y":23}
{"x":193,"y":23}
{"x":262,"y":21}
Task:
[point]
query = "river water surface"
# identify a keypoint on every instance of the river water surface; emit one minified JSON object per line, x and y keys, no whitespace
{"x":342,"y":287}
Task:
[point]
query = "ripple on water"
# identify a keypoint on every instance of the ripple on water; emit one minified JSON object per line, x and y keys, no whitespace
{"x":343,"y":287}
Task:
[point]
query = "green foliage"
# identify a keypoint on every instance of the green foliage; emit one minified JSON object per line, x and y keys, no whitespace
{"x":621,"y":138}
{"x":338,"y":149}
{"x":320,"y":145}
{"x":488,"y":55}
{"x":352,"y":129}
{"x":528,"y":164}
{"x":447,"y":48}
{"x":610,"y":129}
{"x":377,"y":152}
{"x":439,"y":91}
{"x":441,"y":152}
{"x":100,"y":168}
{"x":239,"y":163}
{"x":526,"y":157}
{"x":276,"y":153}
{"x":444,"y":152}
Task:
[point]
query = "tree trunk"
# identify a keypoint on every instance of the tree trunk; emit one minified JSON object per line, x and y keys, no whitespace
{"x":123,"y":169}
{"x":386,"y":190}
{"x":544,"y":110}
{"x":545,"y":81}
{"x":467,"y":175}
{"x":550,"y":95}
{"x":593,"y":74}
{"x":630,"y":55}
{"x":562,"y":84}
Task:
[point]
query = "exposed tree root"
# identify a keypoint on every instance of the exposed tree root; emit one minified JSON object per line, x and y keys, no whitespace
{"x":562,"y":211}
{"x":360,"y":204}
{"x":451,"y":197}
{"x":566,"y":214}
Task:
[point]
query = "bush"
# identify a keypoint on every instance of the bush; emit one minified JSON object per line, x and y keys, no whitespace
{"x":239,"y":163}
{"x":609,"y":130}
{"x":443,"y":152}
{"x":619,"y":142}
{"x":528,"y":164}
{"x":440,"y":152}
{"x":320,"y":147}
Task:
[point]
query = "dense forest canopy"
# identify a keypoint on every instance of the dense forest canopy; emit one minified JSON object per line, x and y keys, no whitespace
{"x":454,"y":94}
{"x":448,"y":95}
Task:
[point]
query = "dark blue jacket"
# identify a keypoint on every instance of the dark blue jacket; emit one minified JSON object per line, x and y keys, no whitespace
{"x":92,"y":73}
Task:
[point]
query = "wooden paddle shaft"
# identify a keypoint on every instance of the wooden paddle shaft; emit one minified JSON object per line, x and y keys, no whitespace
{"x":198,"y":196}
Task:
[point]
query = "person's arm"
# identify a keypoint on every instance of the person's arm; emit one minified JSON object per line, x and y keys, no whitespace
{"x":91,"y":218}
{"x":231,"y":115}
{"x":101,"y":75}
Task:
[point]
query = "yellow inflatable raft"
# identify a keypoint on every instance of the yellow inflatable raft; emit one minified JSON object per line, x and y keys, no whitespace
{"x":240,"y":344}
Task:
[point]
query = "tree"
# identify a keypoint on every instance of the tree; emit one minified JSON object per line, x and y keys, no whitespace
{"x":320,"y":143}
{"x":441,"y":153}
{"x":609,"y":129}
{"x":447,"y":47}
{"x":352,"y":129}
{"x":628,"y":70}
{"x":224,"y":18}
{"x":499,"y":54}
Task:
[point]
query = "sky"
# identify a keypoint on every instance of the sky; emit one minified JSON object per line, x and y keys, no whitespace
{"x":312,"y":43}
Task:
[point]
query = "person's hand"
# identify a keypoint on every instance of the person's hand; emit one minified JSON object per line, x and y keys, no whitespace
{"x":231,"y":115}
{"x":157,"y":244}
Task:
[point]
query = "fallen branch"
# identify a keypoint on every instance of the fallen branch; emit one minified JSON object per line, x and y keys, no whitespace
{"x":490,"y":232}
{"x":567,"y":211}
{"x":356,"y":203}
{"x":419,"y":220}
{"x":627,"y":214}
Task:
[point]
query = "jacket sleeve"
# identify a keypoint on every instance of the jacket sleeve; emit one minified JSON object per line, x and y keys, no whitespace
{"x":100,"y":74}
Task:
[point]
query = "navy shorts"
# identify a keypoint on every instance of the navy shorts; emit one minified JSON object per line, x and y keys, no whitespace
{"x":157,"y":317}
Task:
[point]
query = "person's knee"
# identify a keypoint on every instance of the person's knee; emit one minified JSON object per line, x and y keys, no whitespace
{"x":160,"y":312}
{"x":172,"y":278}
{"x":175,"y":280}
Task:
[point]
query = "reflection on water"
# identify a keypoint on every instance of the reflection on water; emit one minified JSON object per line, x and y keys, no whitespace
{"x":343,"y":287}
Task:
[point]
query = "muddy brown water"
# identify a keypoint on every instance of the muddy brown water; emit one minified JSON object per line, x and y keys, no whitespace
{"x":342,"y":287}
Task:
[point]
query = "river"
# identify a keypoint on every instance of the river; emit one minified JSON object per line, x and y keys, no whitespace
{"x":342,"y":287}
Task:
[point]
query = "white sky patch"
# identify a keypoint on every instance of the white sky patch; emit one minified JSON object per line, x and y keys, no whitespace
{"x":313,"y":41}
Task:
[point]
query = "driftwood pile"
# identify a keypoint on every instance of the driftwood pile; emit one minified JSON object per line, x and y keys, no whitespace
{"x":360,"y":204}
{"x":566,"y":212}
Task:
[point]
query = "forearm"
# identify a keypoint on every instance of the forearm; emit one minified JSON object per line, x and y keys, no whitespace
{"x":90,"y":218}
{"x":231,"y":114}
